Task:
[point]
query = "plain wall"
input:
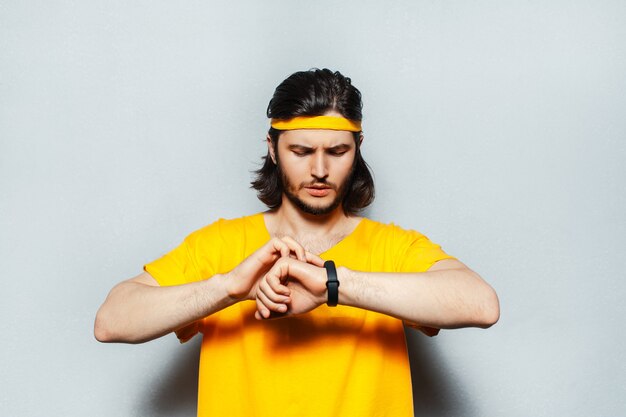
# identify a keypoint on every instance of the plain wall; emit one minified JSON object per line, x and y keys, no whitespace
{"x":496,"y":128}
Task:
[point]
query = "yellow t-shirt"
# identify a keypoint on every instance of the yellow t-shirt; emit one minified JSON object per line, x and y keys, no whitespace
{"x":332,"y":361}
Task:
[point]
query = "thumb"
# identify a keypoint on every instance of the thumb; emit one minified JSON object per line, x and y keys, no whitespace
{"x":314,"y":259}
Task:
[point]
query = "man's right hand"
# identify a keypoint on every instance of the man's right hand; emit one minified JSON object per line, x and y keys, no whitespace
{"x":242,"y":282}
{"x":138,"y":309}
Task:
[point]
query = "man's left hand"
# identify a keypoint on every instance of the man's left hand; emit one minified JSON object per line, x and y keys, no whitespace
{"x":291,"y":287}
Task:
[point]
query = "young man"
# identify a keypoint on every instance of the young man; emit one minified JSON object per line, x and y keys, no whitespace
{"x":302,"y":307}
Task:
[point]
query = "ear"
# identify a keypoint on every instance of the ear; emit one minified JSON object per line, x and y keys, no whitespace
{"x":361,"y":137}
{"x":270,"y":148}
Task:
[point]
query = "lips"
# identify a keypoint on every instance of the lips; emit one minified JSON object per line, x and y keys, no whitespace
{"x":318,"y":190}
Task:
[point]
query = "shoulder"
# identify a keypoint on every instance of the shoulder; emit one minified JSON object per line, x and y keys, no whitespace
{"x":410,"y":250}
{"x":226,"y":228}
{"x":389,"y":231}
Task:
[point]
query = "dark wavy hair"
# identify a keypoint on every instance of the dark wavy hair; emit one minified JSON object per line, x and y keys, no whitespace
{"x":314,"y":93}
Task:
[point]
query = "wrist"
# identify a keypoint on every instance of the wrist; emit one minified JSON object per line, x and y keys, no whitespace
{"x":229,"y":293}
{"x":345,"y":277}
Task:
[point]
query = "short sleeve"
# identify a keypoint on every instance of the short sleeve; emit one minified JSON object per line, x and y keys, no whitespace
{"x":420,"y":254}
{"x":181,"y":266}
{"x":174,"y":268}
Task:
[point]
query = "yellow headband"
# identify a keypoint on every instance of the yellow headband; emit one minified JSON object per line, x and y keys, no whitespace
{"x":317,"y":122}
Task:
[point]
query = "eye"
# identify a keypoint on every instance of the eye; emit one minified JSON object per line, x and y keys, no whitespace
{"x":301,"y":153}
{"x":337,"y":153}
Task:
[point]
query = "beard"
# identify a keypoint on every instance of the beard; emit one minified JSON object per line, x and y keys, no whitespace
{"x":291,"y":191}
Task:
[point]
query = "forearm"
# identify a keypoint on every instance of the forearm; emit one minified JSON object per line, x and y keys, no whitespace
{"x":135,"y":312}
{"x":450,"y":298}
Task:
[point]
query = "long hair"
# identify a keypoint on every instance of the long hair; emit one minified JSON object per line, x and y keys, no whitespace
{"x":314,"y":93}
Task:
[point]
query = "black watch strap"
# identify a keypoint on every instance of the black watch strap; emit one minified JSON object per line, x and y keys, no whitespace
{"x":332,"y":283}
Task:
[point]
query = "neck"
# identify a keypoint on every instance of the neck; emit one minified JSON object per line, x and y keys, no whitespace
{"x":290,"y":220}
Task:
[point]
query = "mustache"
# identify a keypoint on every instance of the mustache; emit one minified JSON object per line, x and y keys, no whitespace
{"x":319,"y":183}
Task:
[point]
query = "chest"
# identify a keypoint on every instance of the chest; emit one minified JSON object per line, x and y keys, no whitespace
{"x":315,"y":244}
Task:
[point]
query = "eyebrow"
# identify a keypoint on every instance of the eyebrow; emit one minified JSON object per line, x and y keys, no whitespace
{"x":340,"y":147}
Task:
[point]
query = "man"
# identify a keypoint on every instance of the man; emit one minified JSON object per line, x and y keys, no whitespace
{"x":287,"y":332}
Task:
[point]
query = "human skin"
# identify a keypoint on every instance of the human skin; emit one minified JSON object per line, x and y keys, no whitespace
{"x":448,"y":295}
{"x":305,"y":168}
{"x":138,"y":310}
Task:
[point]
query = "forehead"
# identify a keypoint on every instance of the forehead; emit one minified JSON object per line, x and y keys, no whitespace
{"x":316,"y":137}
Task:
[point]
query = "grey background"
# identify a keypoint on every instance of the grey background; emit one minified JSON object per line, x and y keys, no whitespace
{"x":494,"y":127}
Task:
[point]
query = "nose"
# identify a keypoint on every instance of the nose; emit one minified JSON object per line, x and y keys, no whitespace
{"x":319,"y":168}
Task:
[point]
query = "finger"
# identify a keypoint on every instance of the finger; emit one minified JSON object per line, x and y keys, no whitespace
{"x":295,"y":247}
{"x":280,"y":269}
{"x":311,"y":277}
{"x":275,"y":296}
{"x":263,"y":258}
{"x":276,"y":286}
{"x":269,"y":305}
{"x":314,"y":259}
{"x":280,"y":246}
{"x":264,"y":312}
{"x":273,"y":315}
{"x":261,"y":310}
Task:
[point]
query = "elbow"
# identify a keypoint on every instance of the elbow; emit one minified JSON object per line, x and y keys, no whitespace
{"x":489,"y":310}
{"x":105,"y":330}
{"x":101,"y":334}
{"x":109,"y":325}
{"x":101,"y":330}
